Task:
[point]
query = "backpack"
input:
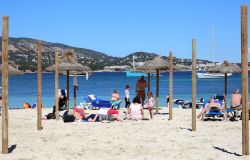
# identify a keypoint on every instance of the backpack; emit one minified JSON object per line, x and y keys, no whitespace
{"x":51,"y":116}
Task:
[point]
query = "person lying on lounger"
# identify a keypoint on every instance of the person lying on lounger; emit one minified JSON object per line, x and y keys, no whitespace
{"x":105,"y":115}
{"x":209,"y":105}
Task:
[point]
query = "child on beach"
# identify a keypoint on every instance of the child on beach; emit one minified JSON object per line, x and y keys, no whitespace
{"x":127,"y":101}
{"x":150,"y":104}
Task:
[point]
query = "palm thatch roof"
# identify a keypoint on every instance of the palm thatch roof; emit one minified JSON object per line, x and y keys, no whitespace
{"x":225,"y":67}
{"x":67,"y":62}
{"x":12,"y":71}
{"x":156,"y":63}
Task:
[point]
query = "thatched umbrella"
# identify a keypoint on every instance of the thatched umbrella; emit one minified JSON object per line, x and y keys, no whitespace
{"x":12,"y":71}
{"x":150,"y":66}
{"x":68,"y":63}
{"x":225,"y":68}
{"x":156,"y":64}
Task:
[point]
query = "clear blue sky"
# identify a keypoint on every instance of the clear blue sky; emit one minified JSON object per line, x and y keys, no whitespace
{"x":120,"y":27}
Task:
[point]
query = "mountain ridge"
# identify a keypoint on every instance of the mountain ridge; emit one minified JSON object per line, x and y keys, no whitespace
{"x":22,"y":51}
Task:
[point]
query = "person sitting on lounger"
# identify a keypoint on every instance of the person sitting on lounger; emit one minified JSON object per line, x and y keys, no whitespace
{"x":211,"y":103}
{"x":135,"y":111}
{"x":236,"y":100}
{"x":115,"y":99}
{"x":115,"y":96}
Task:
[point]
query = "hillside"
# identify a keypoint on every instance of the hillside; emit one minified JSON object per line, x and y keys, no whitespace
{"x":23,"y":52}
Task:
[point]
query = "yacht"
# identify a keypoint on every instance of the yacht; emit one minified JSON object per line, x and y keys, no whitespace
{"x":212,"y":75}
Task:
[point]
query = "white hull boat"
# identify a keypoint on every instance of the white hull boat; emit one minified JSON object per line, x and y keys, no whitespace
{"x":212,"y":75}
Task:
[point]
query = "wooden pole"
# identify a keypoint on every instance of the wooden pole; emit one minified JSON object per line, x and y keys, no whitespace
{"x":67,"y":90}
{"x":75,"y":86}
{"x":39,"y":85}
{"x":225,"y":90}
{"x":193,"y":85}
{"x":5,"y":79}
{"x":148,"y":82}
{"x":244,"y":80}
{"x":157,"y":91}
{"x":56,"y":86}
{"x":170,"y":85}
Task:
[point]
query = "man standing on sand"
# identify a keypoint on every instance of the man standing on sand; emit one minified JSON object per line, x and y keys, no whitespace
{"x":140,"y":89}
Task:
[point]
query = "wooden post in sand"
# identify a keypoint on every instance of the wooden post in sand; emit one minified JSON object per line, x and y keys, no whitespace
{"x":5,"y":61}
{"x":170,"y":86}
{"x":244,"y":80}
{"x":157,"y":91}
{"x":39,"y":85}
{"x":67,"y":91}
{"x":193,"y":85}
{"x":225,"y":90}
{"x":56,"y":86}
{"x":75,"y":88}
{"x":148,"y":82}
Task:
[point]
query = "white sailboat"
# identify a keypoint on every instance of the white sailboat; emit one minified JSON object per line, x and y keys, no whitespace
{"x":212,"y":75}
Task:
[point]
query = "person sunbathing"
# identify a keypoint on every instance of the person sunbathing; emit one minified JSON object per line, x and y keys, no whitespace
{"x":105,"y":115}
{"x":209,"y":105}
{"x":116,"y":114}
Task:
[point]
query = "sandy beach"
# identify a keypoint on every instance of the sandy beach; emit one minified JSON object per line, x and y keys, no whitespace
{"x":153,"y":139}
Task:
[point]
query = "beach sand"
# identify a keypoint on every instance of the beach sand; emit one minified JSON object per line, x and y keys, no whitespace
{"x":153,"y":139}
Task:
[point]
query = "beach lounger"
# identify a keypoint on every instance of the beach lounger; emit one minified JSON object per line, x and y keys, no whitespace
{"x":213,"y":112}
{"x":92,"y":102}
{"x":232,"y":113}
{"x":219,"y":97}
{"x":183,"y":103}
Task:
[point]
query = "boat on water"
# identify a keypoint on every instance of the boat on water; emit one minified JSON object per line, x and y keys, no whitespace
{"x":135,"y":74}
{"x":212,"y":75}
{"x":132,"y":73}
{"x":80,"y":74}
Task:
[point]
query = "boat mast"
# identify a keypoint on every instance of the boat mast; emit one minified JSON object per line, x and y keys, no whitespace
{"x":213,"y":46}
{"x":133,"y":62}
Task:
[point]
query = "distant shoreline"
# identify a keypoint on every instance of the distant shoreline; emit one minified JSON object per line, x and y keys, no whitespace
{"x":100,"y":71}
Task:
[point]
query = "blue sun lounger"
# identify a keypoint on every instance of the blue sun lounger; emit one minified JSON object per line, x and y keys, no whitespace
{"x":92,"y":102}
{"x":213,"y":112}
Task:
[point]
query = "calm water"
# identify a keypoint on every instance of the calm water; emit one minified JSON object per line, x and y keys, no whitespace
{"x":24,"y":88}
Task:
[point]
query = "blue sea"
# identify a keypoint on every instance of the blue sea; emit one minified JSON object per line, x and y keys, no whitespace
{"x":24,"y":88}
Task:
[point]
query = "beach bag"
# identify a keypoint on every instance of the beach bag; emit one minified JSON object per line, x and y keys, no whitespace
{"x":51,"y":116}
{"x":105,"y":117}
{"x":68,"y":117}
